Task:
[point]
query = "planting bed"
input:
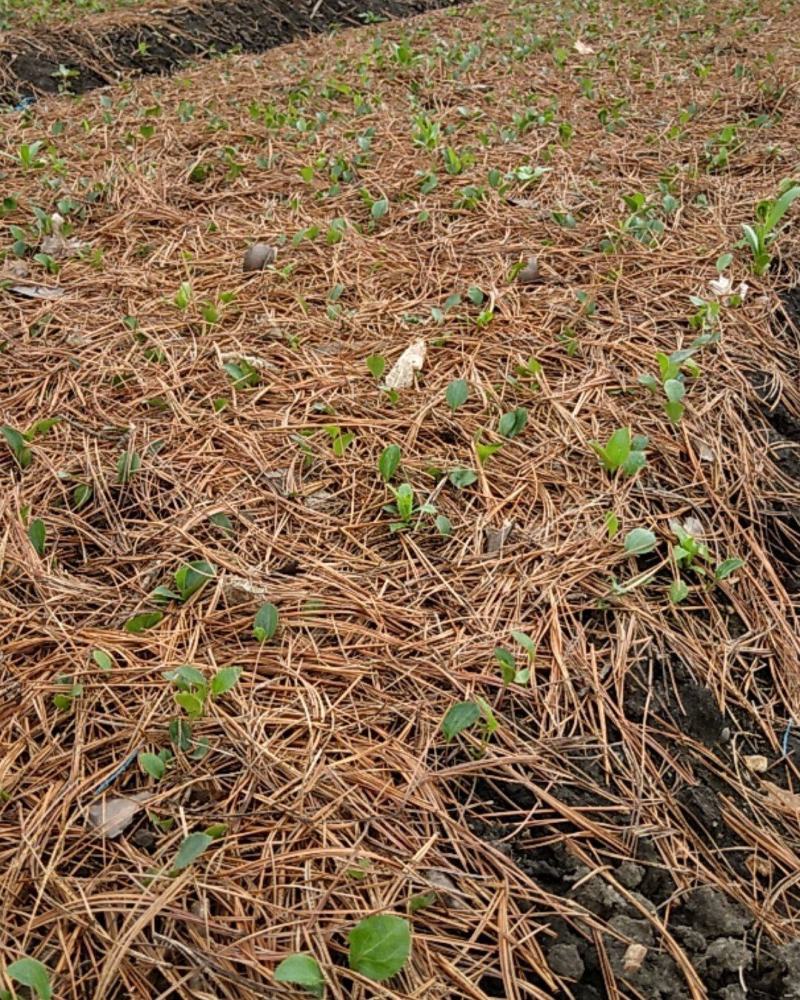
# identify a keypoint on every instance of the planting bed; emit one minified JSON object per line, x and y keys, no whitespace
{"x":194,"y":471}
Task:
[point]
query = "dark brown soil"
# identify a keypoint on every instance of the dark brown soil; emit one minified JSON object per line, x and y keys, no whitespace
{"x":143,"y":42}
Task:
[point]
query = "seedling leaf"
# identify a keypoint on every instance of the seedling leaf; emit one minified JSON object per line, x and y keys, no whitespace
{"x":724,"y":570}
{"x":457,"y":393}
{"x":266,"y":622}
{"x":152,"y":764}
{"x":190,"y":850}
{"x":225,"y":679}
{"x":103,"y":659}
{"x":639,"y":541}
{"x":389,"y":461}
{"x":31,"y":973}
{"x":380,"y":946}
{"x":142,"y":622}
{"x":459,"y":717}
{"x":302,"y":970}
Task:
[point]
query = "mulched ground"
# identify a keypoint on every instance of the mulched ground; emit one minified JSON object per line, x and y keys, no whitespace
{"x":617,"y":803}
{"x":156,"y":39}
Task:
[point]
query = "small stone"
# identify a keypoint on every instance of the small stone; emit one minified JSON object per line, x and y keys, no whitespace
{"x":633,"y":958}
{"x":756,"y":763}
{"x":565,"y":960}
{"x":529,"y":275}
{"x":258,"y":256}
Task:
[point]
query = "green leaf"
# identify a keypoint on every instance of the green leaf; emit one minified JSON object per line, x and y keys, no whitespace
{"x":16,"y":442}
{"x":421,"y":901}
{"x":222,"y":521}
{"x":634,"y":462}
{"x":223,"y":680}
{"x":674,"y":412}
{"x":163,"y":595}
{"x":389,"y":461}
{"x":186,"y":677}
{"x":443,"y":525}
{"x":41,"y":427}
{"x":265,"y":623}
{"x":618,"y":447}
{"x":507,"y":663}
{"x":216,"y":830}
{"x":103,"y":659}
{"x":675,"y":390}
{"x":461,"y":478}
{"x":37,"y":533}
{"x":459,"y":717}
{"x":31,"y":973}
{"x":724,"y":261}
{"x":457,"y":393}
{"x":639,"y":541}
{"x":192,"y":577}
{"x":678,"y":591}
{"x":127,"y":463}
{"x":485,"y":451}
{"x":526,"y":642}
{"x":142,"y":622}
{"x":81,"y":495}
{"x":302,"y":970}
{"x":612,"y":524}
{"x":724,"y":570}
{"x":379,"y":208}
{"x":152,"y":764}
{"x":380,"y":946}
{"x":190,"y":703}
{"x":513,"y":423}
{"x":184,"y":295}
{"x":475,"y":295}
{"x":190,"y":850}
{"x":180,"y":732}
{"x":376,"y":363}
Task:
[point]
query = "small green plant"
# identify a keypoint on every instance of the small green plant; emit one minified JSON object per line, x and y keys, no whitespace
{"x":304,"y":971}
{"x":265,"y":624}
{"x":193,"y":846}
{"x":64,"y":698}
{"x":405,"y":508}
{"x":379,"y":946}
{"x":507,"y":662}
{"x":376,"y":365}
{"x":31,"y":973}
{"x":457,"y":394}
{"x":513,"y":423}
{"x":18,"y":445}
{"x":389,"y":462}
{"x":143,"y":621}
{"x":762,"y":234}
{"x":128,"y":463}
{"x":242,"y":374}
{"x":643,"y":222}
{"x":340,"y":440}
{"x":194,"y":690}
{"x":103,"y":659}
{"x":639,"y":541}
{"x":464,"y":715}
{"x":183,"y":296}
{"x":37,"y":535}
{"x":154,"y":764}
{"x":720,"y":147}
{"x":192,"y":577}
{"x":622,"y":451}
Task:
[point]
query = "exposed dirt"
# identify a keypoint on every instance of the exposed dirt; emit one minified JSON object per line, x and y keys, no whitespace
{"x":104,"y":48}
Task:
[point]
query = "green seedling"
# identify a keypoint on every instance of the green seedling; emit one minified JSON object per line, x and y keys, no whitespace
{"x":759,"y":237}
{"x":183,"y":296}
{"x":457,"y":394}
{"x":31,"y":973}
{"x":128,"y":464}
{"x":461,"y":478}
{"x":104,"y":660}
{"x":265,"y":624}
{"x":242,"y":374}
{"x":63,"y":699}
{"x":460,"y":717}
{"x":18,"y":445}
{"x":405,"y":508}
{"x":643,"y":222}
{"x":192,"y":577}
{"x":155,"y":764}
{"x":389,"y":462}
{"x":340,"y":440}
{"x":194,"y":690}
{"x":379,"y":946}
{"x":720,"y":147}
{"x":193,"y":846}
{"x":376,"y":365}
{"x":639,"y":541}
{"x":622,"y":451}
{"x":513,"y":423}
{"x":304,"y":971}
{"x":37,"y":535}
{"x":143,"y":621}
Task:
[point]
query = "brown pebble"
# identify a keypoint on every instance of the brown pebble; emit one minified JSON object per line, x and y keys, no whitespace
{"x":258,"y":256}
{"x":530,"y":273}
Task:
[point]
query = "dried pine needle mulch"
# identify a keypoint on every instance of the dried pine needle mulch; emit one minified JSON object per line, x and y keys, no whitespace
{"x":326,"y":761}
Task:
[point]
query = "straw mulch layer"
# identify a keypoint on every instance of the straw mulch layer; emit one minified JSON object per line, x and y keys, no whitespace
{"x":101,"y":49}
{"x":617,"y":804}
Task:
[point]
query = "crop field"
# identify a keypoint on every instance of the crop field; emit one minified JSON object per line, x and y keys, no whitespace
{"x":400,"y":508}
